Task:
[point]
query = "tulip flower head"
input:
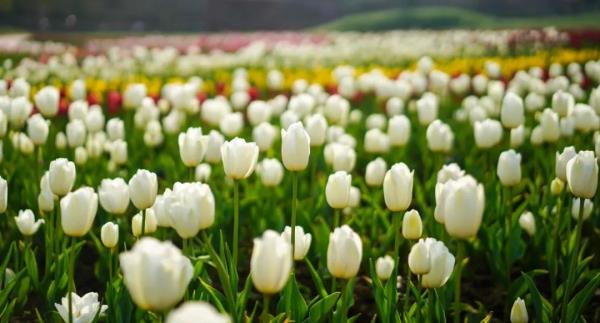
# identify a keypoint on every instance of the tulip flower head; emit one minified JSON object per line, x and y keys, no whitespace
{"x":155,"y":273}
{"x":295,"y":147}
{"x":398,"y":187}
{"x":518,"y":312}
{"x":344,"y":253}
{"x":143,"y":187}
{"x":26,"y":222}
{"x":239,"y":158}
{"x":384,"y":266}
{"x":582,"y":174}
{"x":270,"y":264}
{"x":109,"y":234}
{"x":85,"y":308}
{"x":302,"y":243}
{"x":192,"y":311}
{"x":78,"y":211}
{"x":337,"y":190}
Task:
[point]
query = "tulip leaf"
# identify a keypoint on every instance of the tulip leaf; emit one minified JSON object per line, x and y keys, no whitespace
{"x":6,"y":312}
{"x":518,"y":286}
{"x":6,"y":291}
{"x":536,"y":298}
{"x":214,"y":294}
{"x":243,"y":295}
{"x":316,"y":278}
{"x":32,"y":267}
{"x":292,"y":301}
{"x":319,"y":310}
{"x":4,"y":264}
{"x":578,"y":302}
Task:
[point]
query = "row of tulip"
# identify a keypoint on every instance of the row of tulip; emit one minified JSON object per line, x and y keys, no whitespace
{"x":359,"y":209}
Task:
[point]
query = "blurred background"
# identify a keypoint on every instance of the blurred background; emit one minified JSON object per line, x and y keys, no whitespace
{"x":248,"y":15}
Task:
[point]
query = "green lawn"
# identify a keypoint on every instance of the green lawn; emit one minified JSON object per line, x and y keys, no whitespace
{"x":447,"y":17}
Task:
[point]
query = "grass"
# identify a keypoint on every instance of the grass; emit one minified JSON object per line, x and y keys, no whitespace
{"x":448,"y":17}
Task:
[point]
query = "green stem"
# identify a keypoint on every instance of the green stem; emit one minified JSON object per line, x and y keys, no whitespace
{"x":264,"y":316}
{"x":431,"y":300}
{"x":336,"y":218}
{"x":419,"y":304}
{"x":573,"y":261}
{"x":344,"y":308}
{"x":397,"y":232}
{"x":143,"y":222}
{"x":459,"y":258}
{"x":293,"y":222}
{"x":236,"y":220}
{"x":408,"y":280}
{"x":508,"y":224}
{"x":555,"y":254}
{"x":70,"y":271}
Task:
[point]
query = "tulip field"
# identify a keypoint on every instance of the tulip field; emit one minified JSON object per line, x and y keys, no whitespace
{"x":408,"y":176}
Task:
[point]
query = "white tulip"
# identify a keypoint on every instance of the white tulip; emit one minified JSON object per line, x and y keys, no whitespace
{"x":398,"y":187}
{"x":114,"y":195}
{"x":239,"y":158}
{"x":84,"y":308}
{"x":61,"y":176}
{"x":375,"y":172}
{"x":270,"y":263}
{"x":109,"y":234}
{"x":143,"y":187}
{"x":384,"y":266}
{"x":295,"y":147}
{"x":156,"y":274}
{"x":190,"y":311}
{"x":582,"y":174}
{"x":264,"y":135}
{"x":78,"y":211}
{"x":344,"y":253}
{"x":399,"y":130}
{"x":509,"y":168}
{"x":302,"y":243}
{"x":337,"y":189}
{"x":26,"y":222}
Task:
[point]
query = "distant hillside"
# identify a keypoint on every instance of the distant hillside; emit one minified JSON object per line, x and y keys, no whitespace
{"x":447,"y":17}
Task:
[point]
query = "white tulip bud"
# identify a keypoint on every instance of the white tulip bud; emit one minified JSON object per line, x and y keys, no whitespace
{"x":109,"y":234}
{"x":114,"y":195}
{"x":384,"y":266}
{"x":61,"y":176}
{"x":337,"y":190}
{"x":270,"y":263}
{"x":156,"y":274}
{"x":302,"y":243}
{"x":518,"y":312}
{"x":295,"y":147}
{"x":527,"y":223}
{"x":344,"y":253}
{"x":509,"y":168}
{"x":192,"y":310}
{"x":239,"y":158}
{"x":412,"y":227}
{"x":264,"y":135}
{"x":512,"y":113}
{"x":418,"y":258}
{"x":375,"y":172}
{"x":582,"y":174}
{"x":143,"y":187}
{"x":270,"y":171}
{"x":398,"y":187}
{"x":37,"y":129}
{"x":399,"y":130}
{"x":78,"y":211}
{"x":203,"y":172}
